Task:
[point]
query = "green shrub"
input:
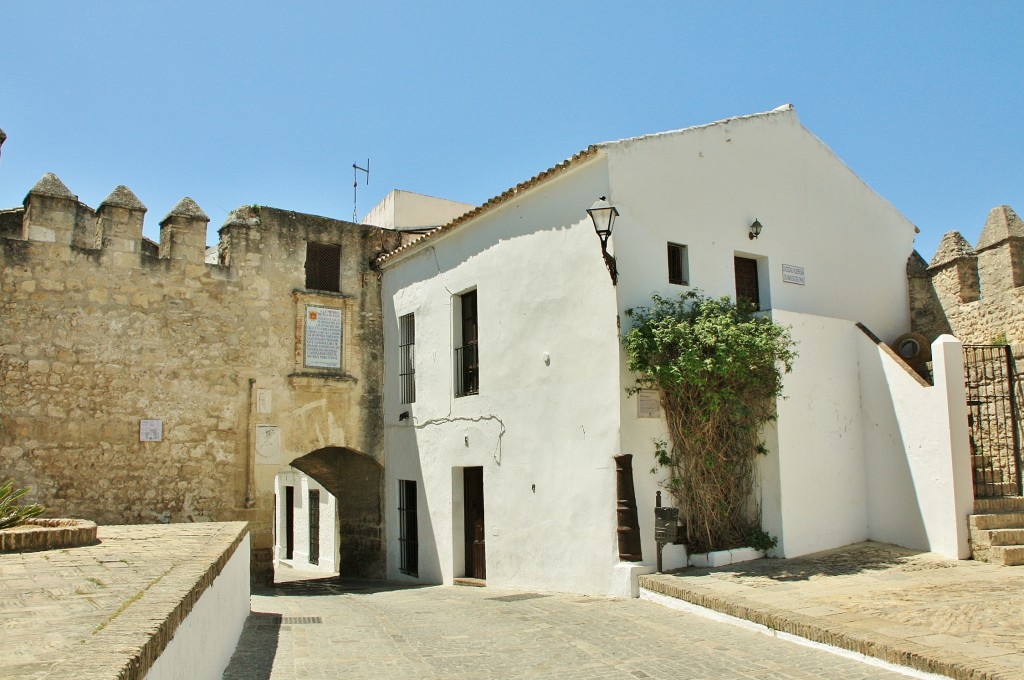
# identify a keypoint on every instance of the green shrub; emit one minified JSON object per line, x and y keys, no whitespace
{"x":11,"y":513}
{"x":719,"y":368}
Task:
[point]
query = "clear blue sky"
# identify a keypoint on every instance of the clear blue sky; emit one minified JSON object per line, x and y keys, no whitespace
{"x":234,"y":103}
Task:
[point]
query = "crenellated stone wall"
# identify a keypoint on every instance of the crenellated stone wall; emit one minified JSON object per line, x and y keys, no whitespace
{"x":102,"y":329}
{"x":974,"y":293}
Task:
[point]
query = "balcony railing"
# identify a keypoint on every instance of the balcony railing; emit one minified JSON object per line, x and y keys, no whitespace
{"x":467,"y":370}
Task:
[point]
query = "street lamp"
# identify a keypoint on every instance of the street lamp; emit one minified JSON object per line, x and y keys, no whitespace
{"x":603,"y":214}
{"x":755,"y":229}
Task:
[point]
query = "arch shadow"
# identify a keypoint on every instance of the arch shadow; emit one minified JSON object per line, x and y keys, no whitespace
{"x":357,"y":482}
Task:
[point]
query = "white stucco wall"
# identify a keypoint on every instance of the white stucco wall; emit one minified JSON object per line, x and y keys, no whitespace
{"x":918,"y":456}
{"x":204,"y":642}
{"x":702,"y":187}
{"x":543,"y":426}
{"x":329,"y":529}
{"x":409,"y":210}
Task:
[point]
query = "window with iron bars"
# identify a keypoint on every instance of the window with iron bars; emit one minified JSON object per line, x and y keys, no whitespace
{"x":408,"y":533}
{"x":407,"y":358}
{"x":323,"y":267}
{"x":467,"y":366}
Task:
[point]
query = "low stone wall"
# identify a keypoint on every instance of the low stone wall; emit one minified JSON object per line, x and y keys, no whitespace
{"x":48,"y":534}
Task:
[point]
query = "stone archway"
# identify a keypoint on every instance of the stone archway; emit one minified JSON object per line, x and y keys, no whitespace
{"x":356,"y":481}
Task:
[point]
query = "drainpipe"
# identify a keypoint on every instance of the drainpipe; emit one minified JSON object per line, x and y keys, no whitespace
{"x":250,"y":453}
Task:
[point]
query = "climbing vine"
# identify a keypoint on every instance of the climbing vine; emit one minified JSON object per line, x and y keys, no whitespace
{"x":719,"y":368}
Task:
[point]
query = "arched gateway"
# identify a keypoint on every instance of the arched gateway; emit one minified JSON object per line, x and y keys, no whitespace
{"x":356,"y":482}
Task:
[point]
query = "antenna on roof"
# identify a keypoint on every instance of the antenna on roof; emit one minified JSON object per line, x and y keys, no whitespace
{"x":355,"y":187}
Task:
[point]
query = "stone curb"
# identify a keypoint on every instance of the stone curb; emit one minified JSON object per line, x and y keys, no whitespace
{"x":892,"y":650}
{"x":133,"y":639}
{"x":48,"y":534}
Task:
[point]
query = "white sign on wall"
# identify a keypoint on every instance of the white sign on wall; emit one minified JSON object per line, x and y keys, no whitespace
{"x":648,"y":404}
{"x":264,"y":402}
{"x":322,"y":337}
{"x":151,"y":430}
{"x":793,"y":274}
{"x":268,"y":444}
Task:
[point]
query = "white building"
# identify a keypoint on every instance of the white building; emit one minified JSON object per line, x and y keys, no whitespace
{"x":505,"y":381}
{"x":306,"y":531}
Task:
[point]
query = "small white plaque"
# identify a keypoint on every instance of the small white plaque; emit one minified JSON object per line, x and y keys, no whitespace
{"x":268,"y":444}
{"x":322,"y":337}
{"x":648,"y":404}
{"x":793,"y":274}
{"x":151,"y":430}
{"x":264,"y":402}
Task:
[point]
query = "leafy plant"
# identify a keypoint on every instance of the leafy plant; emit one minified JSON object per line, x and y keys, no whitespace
{"x":11,"y":513}
{"x":719,"y":368}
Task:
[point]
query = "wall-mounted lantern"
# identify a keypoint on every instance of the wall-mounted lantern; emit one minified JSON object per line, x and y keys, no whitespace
{"x":755,"y":229}
{"x":603,"y":215}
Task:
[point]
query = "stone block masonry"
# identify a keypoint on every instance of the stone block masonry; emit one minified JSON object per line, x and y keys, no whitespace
{"x":103,"y":329}
{"x":976,"y":294}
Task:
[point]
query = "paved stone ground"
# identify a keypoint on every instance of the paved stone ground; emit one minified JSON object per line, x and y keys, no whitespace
{"x":958,"y":618}
{"x":329,"y":629}
{"x":86,"y":612}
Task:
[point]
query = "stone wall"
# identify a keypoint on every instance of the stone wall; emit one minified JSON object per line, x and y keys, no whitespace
{"x":103,"y":329}
{"x":976,"y":294}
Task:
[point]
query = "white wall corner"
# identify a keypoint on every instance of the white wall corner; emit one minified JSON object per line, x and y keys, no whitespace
{"x":948,"y":372}
{"x":626,"y":578}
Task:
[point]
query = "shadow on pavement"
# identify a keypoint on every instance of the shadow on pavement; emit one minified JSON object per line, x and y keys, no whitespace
{"x":855,"y":559}
{"x":333,"y":585}
{"x":257,"y":646}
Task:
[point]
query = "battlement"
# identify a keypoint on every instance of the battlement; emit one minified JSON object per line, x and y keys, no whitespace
{"x":964,"y":274}
{"x":976,"y":293}
{"x":53,"y":218}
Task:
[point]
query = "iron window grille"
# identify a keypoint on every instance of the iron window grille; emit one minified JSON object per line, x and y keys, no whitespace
{"x":407,"y":358}
{"x":323,"y":267}
{"x":677,"y":265}
{"x":467,"y":357}
{"x":314,"y":526}
{"x":408,"y":534}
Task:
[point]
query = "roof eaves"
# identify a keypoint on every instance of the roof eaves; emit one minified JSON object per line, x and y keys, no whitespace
{"x":493,"y":203}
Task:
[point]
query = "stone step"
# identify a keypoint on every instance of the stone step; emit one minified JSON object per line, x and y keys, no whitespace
{"x":996,"y":520}
{"x":1008,"y":555}
{"x":1001,"y":537}
{"x":1002,"y":504}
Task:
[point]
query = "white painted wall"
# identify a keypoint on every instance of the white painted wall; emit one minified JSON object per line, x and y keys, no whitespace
{"x":204,"y":642}
{"x":329,"y":529}
{"x":702,"y":187}
{"x":543,"y":430}
{"x":917,"y":451}
{"x":409,"y":210}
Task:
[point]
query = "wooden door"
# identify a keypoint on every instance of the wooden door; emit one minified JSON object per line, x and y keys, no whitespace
{"x":747,"y":289}
{"x":476,"y":555}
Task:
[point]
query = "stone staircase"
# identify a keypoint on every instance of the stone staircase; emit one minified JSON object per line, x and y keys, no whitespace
{"x":997,"y":530}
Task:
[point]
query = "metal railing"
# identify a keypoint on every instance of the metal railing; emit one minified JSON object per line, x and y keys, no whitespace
{"x":993,"y":416}
{"x":467,"y":370}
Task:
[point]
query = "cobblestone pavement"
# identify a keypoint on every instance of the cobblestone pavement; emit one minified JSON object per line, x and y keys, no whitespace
{"x":326,"y":629}
{"x":958,"y":618}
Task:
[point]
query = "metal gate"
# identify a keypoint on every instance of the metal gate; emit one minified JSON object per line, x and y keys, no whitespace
{"x":994,"y":419}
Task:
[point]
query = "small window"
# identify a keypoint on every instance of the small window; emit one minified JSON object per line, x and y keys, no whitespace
{"x":678,"y":267}
{"x":408,"y":534}
{"x":323,"y":267}
{"x":407,"y":357}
